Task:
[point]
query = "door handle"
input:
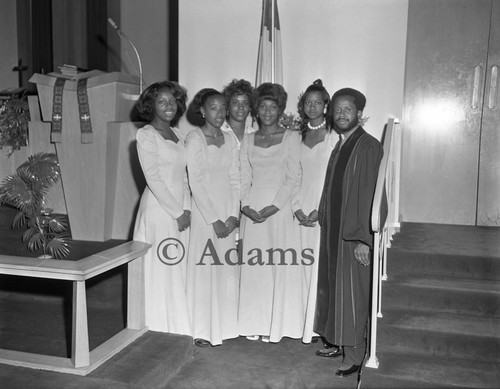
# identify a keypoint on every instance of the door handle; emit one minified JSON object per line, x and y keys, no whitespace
{"x":492,"y":96}
{"x":476,"y":86}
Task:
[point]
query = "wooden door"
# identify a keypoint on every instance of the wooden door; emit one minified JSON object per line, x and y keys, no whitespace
{"x":488,"y":204}
{"x":445,"y":67}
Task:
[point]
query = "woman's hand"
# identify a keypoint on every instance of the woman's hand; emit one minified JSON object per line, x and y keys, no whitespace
{"x":231,"y":224}
{"x":301,"y":216}
{"x":268,"y":211}
{"x":220,"y":229}
{"x":252,"y":214}
{"x":311,"y":219}
{"x":184,"y":221}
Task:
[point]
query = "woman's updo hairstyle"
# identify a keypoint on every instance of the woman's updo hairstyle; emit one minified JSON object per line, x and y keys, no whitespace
{"x":146,"y":102}
{"x":270,"y":91}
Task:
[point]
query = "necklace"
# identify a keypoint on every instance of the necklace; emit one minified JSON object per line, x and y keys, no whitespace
{"x":213,"y":136}
{"x":269,"y":136}
{"x":316,"y":127}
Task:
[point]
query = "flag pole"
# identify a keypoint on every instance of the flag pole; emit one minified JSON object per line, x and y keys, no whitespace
{"x":273,"y":43}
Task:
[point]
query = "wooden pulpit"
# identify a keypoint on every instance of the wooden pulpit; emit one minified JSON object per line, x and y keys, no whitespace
{"x":99,"y":170}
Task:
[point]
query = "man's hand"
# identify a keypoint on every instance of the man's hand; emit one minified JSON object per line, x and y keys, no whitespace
{"x":362,"y":254}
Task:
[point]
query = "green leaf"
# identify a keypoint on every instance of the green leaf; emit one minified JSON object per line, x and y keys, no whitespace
{"x":27,"y":235}
{"x":58,"y":247}
{"x":19,"y":220}
{"x":35,"y":242}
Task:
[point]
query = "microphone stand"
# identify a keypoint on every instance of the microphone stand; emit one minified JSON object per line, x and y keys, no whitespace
{"x":122,"y":35}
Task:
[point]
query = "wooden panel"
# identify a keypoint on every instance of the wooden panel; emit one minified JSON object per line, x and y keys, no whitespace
{"x":82,"y":361}
{"x":488,"y":207}
{"x":83,"y":166}
{"x":135,"y":295}
{"x":36,"y":361}
{"x":83,"y":269}
{"x":80,"y":353}
{"x":447,"y":39}
{"x":125,"y":181}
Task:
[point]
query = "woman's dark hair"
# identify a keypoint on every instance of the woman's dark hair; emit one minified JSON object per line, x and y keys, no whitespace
{"x":146,"y":102}
{"x":270,"y":91}
{"x":201,"y":97}
{"x":239,"y":87}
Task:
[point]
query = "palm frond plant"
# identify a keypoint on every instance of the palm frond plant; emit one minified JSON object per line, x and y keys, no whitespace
{"x":27,"y":190}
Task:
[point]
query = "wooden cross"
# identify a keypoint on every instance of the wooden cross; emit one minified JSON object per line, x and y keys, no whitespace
{"x":20,"y":69}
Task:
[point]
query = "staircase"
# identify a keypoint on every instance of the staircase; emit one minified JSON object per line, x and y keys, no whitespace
{"x":441,"y":310}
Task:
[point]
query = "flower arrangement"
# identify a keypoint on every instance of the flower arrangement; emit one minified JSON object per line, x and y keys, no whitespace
{"x":291,"y":122}
{"x":14,"y":118}
{"x":26,"y":189}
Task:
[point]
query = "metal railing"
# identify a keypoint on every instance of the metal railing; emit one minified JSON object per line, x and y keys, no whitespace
{"x":385,"y":223}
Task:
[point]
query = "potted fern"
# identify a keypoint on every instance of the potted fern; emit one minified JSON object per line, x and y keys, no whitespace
{"x":27,"y":190}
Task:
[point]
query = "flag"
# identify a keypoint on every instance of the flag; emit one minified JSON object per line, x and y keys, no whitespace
{"x":269,"y":61}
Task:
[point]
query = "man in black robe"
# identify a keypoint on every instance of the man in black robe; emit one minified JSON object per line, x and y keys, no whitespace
{"x":344,"y":270}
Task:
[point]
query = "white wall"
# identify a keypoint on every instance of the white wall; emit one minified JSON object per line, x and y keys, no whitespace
{"x":8,"y":44}
{"x":355,"y":43}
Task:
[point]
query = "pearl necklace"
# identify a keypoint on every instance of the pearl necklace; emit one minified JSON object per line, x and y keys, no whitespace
{"x":316,"y":127}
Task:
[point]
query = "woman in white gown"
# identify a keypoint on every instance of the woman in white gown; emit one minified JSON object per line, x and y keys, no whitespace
{"x":272,"y":303}
{"x":239,"y":100}
{"x":214,"y":178}
{"x":317,"y":145}
{"x":163,"y":217}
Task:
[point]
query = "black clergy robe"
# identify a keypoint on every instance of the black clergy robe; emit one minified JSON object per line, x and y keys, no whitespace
{"x":343,"y":296}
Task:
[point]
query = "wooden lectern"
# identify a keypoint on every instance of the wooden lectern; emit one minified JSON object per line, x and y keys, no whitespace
{"x":96,"y":209}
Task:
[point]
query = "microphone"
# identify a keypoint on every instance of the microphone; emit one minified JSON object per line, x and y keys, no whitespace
{"x":122,"y":35}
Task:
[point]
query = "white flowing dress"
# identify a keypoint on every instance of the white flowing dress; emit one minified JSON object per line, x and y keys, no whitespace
{"x":313,"y":164}
{"x":213,"y":278}
{"x":165,"y":198}
{"x":272,"y":302}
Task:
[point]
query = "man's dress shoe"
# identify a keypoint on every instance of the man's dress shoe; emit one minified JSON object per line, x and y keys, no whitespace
{"x":346,"y":373}
{"x":330,"y":353}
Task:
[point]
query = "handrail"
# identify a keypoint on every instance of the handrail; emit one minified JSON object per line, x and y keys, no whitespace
{"x":382,"y":173}
{"x":388,"y":185}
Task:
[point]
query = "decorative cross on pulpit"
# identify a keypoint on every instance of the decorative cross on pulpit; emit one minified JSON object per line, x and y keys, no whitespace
{"x":20,"y":69}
